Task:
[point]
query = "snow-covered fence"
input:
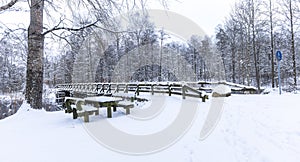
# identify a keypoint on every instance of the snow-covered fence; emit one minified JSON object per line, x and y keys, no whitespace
{"x":235,"y":88}
{"x":108,"y":89}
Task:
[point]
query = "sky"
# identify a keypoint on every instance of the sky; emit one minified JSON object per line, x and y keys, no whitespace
{"x":206,"y":13}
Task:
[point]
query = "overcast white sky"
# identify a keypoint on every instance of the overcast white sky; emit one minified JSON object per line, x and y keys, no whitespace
{"x":207,"y":13}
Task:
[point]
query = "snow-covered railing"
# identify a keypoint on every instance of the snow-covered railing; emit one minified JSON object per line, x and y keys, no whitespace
{"x":235,"y":88}
{"x":170,"y":88}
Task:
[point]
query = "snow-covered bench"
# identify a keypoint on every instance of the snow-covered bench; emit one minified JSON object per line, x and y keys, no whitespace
{"x":126,"y":105}
{"x":86,"y":111}
{"x":77,"y":107}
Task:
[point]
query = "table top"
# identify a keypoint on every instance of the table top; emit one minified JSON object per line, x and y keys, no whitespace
{"x":73,"y":98}
{"x":103,"y":99}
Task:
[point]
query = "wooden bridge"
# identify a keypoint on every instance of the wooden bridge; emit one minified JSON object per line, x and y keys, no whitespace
{"x":185,"y":89}
{"x":115,"y":89}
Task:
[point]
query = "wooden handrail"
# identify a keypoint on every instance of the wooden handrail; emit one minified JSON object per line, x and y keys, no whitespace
{"x":174,"y":88}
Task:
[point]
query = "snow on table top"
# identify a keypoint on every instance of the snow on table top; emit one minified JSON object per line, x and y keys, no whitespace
{"x":103,"y":99}
{"x":124,"y":94}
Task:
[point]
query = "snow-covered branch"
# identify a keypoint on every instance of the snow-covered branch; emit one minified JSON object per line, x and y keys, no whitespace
{"x":8,"y":5}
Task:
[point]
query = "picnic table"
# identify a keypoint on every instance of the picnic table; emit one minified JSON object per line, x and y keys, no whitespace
{"x":103,"y":101}
{"x":83,"y":107}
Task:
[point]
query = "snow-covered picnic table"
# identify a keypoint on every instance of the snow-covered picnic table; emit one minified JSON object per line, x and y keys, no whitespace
{"x":109,"y":102}
{"x":90,"y":105}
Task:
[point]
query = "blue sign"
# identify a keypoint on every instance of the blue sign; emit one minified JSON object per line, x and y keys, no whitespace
{"x":279,"y":55}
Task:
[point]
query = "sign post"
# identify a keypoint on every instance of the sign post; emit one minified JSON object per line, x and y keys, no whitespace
{"x":279,"y":58}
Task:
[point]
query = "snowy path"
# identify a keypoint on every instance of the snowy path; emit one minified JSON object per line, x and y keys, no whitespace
{"x":262,"y":128}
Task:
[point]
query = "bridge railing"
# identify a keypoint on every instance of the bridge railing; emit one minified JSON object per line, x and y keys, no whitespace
{"x":174,"y":88}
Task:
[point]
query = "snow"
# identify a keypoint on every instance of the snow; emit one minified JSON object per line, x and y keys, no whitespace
{"x":222,"y":89}
{"x":262,"y":128}
{"x":103,"y":99}
{"x":5,"y":99}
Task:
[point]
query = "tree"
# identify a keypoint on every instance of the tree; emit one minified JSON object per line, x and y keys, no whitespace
{"x":222,"y":43}
{"x":232,"y":30}
{"x":102,"y":12}
{"x":195,"y":45}
{"x":272,"y":43}
{"x":293,"y":42}
{"x":12,"y":71}
{"x":35,"y":70}
{"x":162,"y":37}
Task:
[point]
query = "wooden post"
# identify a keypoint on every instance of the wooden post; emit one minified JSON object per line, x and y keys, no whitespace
{"x":114,"y":108}
{"x":117,"y":88}
{"x":97,"y":89}
{"x":183,"y":92}
{"x":127,"y":110}
{"x":126,"y":88}
{"x":108,"y":89}
{"x":86,"y":116}
{"x":169,"y":88}
{"x":203,"y":98}
{"x":75,"y":114}
{"x":109,"y":113}
{"x":152,"y":89}
{"x":97,"y":112}
{"x":137,"y":90}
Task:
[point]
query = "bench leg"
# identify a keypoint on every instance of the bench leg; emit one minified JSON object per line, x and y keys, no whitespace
{"x":127,"y":110}
{"x":109,"y":113}
{"x":114,"y":108}
{"x":75,"y":115}
{"x":97,"y":112}
{"x":86,"y":116}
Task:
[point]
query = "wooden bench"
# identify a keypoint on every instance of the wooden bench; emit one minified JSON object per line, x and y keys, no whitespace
{"x":71,"y":103}
{"x":77,"y":107}
{"x":81,"y":110}
{"x":126,"y":105}
{"x":86,"y":111}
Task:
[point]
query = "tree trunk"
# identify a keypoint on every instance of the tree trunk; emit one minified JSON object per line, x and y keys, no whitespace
{"x":34,"y":79}
{"x":256,"y":63}
{"x":233,"y":65}
{"x":293,"y":46}
{"x":272,"y":46}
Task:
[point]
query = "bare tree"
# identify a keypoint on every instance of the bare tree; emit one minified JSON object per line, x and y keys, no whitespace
{"x":293,"y":43}
{"x":97,"y":14}
{"x":272,"y":43}
{"x":254,"y":50}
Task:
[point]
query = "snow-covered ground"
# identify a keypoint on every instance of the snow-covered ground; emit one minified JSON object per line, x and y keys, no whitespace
{"x":262,"y":128}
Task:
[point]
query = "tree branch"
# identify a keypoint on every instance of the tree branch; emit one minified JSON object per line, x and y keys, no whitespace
{"x":69,"y":29}
{"x":82,"y":28}
{"x":9,"y":5}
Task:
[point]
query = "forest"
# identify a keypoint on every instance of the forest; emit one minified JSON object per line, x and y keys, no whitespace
{"x":242,"y":50}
